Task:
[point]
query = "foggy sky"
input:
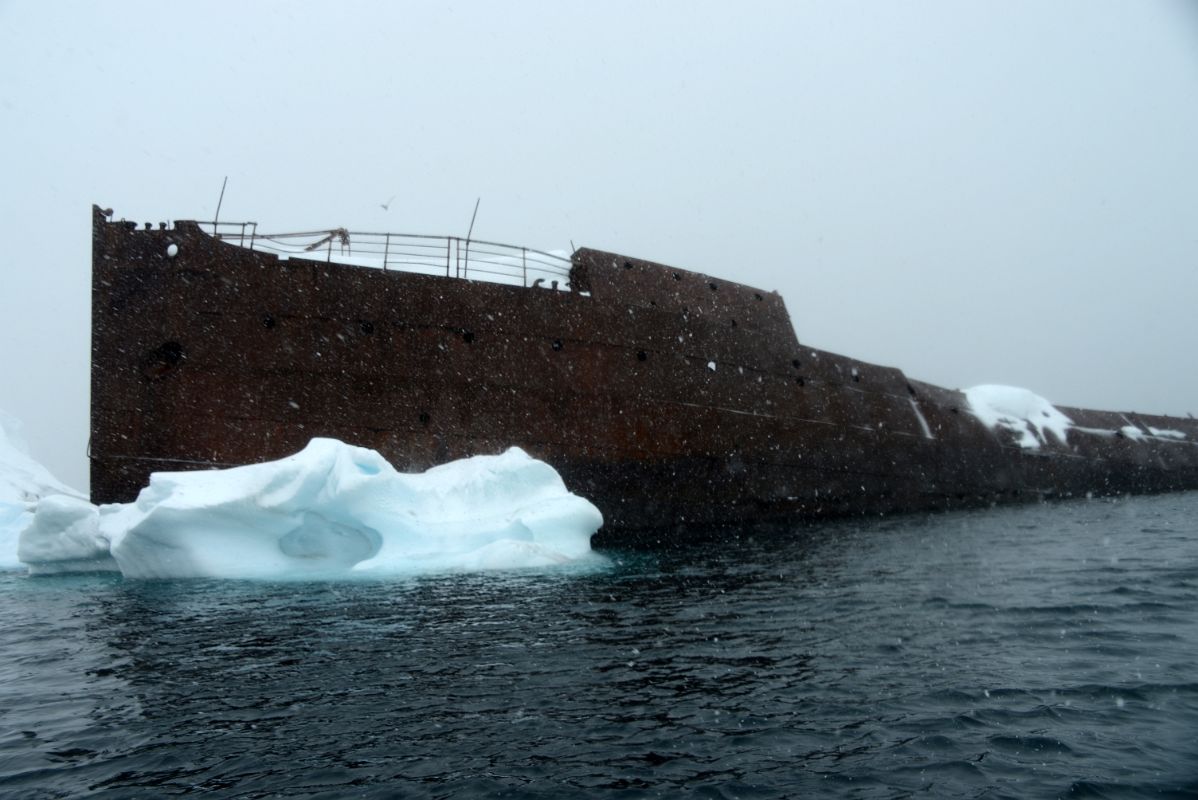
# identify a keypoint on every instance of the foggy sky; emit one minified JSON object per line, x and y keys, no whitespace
{"x":986,"y":192}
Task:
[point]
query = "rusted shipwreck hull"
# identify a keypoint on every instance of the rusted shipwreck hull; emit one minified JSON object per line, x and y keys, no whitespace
{"x":667,"y":397}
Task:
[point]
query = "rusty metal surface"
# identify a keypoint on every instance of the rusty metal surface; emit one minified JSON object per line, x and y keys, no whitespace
{"x":665,"y":396}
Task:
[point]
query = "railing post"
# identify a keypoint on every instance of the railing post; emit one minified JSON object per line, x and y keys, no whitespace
{"x":329,"y":259}
{"x":253,"y":234}
{"x":524,"y":265}
{"x":448,"y":258}
{"x":386,"y":250}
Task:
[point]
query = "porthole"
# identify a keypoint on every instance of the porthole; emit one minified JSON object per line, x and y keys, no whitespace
{"x":171,"y":352}
{"x":424,"y":418}
{"x":641,"y":355}
{"x":799,"y":380}
{"x":162,"y":359}
{"x":557,"y":344}
{"x":795,"y":363}
{"x":468,"y":337}
{"x":366,"y":326}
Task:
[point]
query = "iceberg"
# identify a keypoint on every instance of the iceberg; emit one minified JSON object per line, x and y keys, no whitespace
{"x":330,"y":510}
{"x":64,"y":538}
{"x":23,"y":483}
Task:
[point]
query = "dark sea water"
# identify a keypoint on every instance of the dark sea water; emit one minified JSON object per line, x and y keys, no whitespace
{"x":1045,"y":651}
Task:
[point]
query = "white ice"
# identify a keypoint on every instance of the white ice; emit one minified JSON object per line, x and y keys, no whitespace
{"x":1025,"y":414}
{"x":23,"y":482}
{"x":64,"y":537}
{"x":330,"y":510}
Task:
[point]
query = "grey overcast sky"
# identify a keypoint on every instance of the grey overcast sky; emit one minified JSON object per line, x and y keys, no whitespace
{"x":975,"y":192}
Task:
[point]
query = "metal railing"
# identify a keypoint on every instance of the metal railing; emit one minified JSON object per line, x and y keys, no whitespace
{"x":451,"y":256}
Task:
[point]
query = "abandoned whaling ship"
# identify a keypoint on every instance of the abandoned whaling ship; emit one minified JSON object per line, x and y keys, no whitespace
{"x":664,"y":396}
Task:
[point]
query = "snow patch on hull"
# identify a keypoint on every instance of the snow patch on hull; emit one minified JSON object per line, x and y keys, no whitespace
{"x":1028,"y":416}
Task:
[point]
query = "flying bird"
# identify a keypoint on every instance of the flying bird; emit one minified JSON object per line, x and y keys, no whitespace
{"x":387,"y":205}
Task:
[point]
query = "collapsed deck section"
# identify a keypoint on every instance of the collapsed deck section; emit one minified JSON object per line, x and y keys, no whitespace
{"x":663,"y":395}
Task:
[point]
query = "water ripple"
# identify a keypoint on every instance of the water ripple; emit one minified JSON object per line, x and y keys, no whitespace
{"x":1032,"y":652}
